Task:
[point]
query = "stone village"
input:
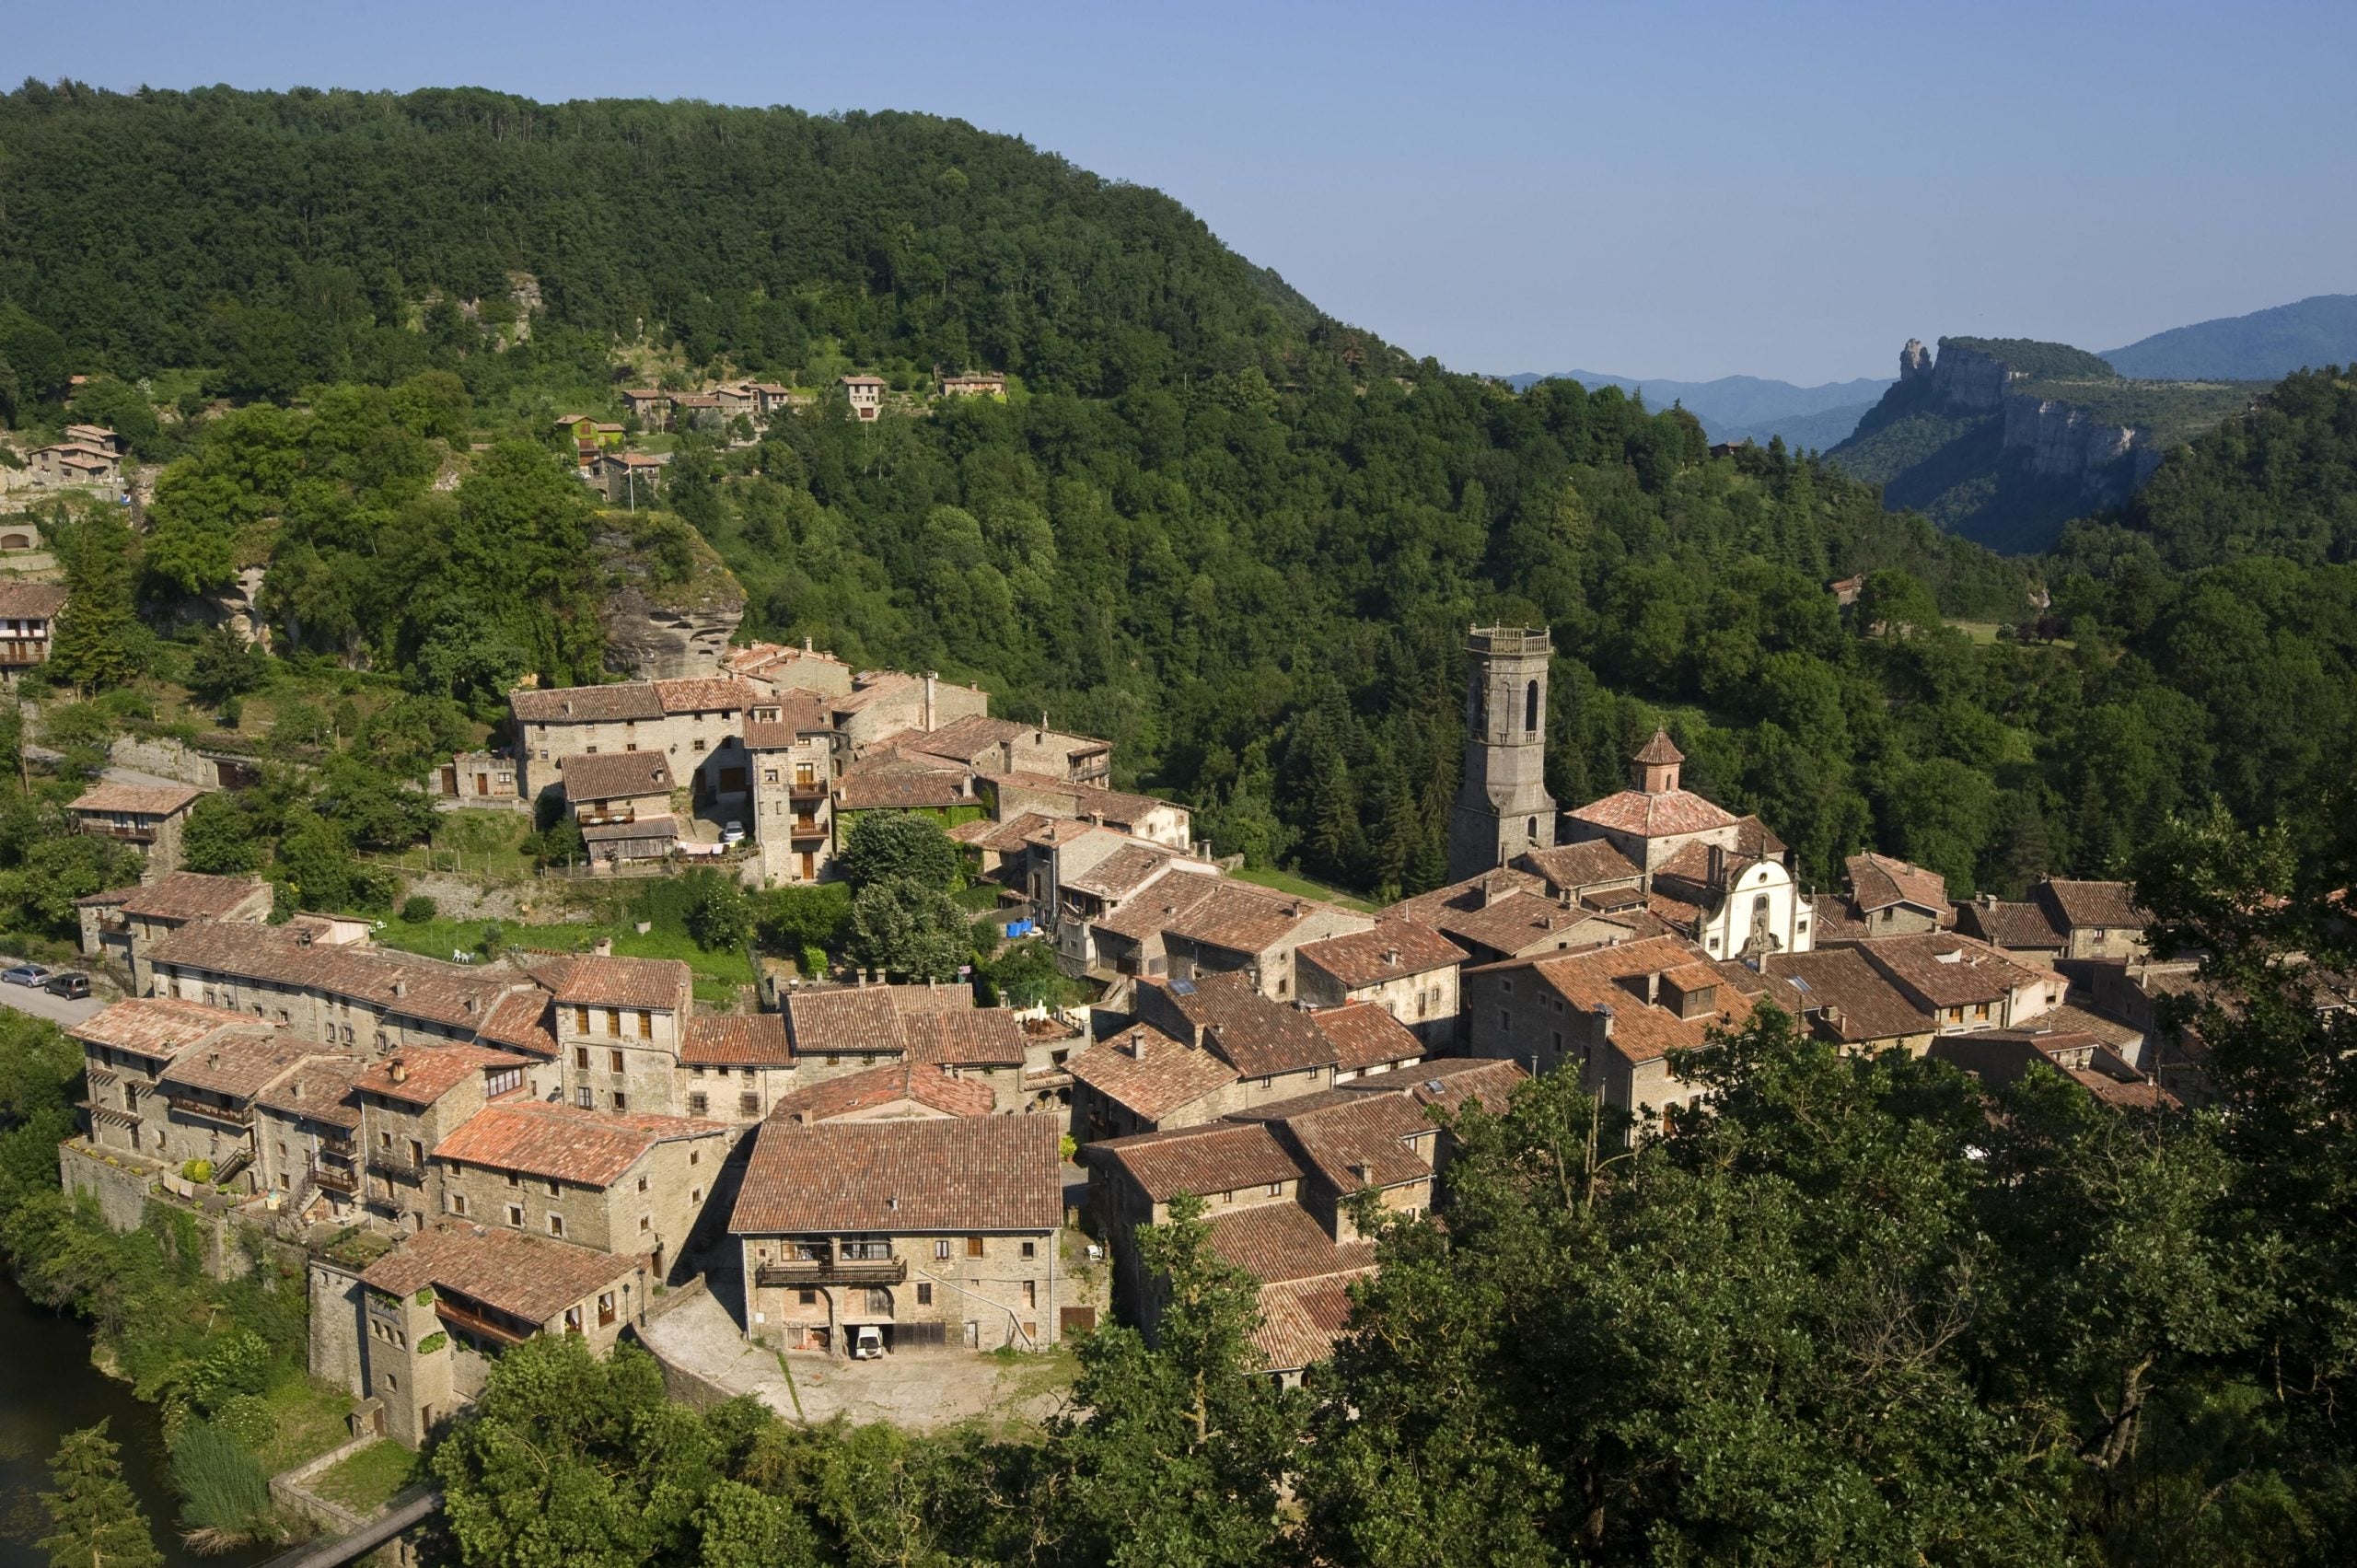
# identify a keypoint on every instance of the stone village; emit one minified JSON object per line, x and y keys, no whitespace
{"x":551,"y":1143}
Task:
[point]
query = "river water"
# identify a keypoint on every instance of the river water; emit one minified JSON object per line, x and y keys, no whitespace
{"x":48,"y":1388}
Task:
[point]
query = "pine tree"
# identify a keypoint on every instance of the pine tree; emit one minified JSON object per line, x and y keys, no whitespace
{"x":96,"y":1522}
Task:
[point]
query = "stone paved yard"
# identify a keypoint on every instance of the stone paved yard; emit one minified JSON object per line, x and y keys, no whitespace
{"x":923,"y":1390}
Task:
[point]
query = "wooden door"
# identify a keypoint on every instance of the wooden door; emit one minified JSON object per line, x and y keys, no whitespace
{"x":450,"y":780}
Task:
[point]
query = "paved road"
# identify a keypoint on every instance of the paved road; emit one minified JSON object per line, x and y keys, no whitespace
{"x":41,"y":1005}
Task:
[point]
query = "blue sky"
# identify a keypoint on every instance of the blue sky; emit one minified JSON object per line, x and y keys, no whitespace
{"x":1694,"y":191}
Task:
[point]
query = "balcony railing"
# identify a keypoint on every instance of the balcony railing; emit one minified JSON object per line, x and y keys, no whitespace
{"x":189,"y":1105}
{"x":808,"y":827}
{"x":503,"y":1329}
{"x":807,"y":789}
{"x":23,"y":651}
{"x":342,"y":1178}
{"x":116,"y":830}
{"x":832,"y":1271}
{"x":386,"y":1162}
{"x":111,"y":1112}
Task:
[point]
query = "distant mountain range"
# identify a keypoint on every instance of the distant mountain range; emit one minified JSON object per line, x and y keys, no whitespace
{"x":2265,"y":345}
{"x":1738,"y":408}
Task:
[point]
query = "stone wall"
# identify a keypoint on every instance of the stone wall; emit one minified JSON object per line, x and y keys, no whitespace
{"x":336,"y":1325}
{"x":166,"y":758}
{"x":121,"y":1191}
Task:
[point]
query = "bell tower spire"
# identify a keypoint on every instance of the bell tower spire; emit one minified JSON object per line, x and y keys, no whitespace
{"x":1503,"y":808}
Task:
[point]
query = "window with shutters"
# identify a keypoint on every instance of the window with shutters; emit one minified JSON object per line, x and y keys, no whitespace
{"x":698,"y":1104}
{"x":924,"y":1295}
{"x":973,"y":1247}
{"x":646,"y":1026}
{"x":581,"y":1027}
{"x":748,"y":1105}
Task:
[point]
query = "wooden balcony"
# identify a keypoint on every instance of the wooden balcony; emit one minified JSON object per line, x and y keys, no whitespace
{"x":20,"y":650}
{"x":387,"y":1162}
{"x":117,"y":831}
{"x":341,"y":1178}
{"x":111,"y":1112}
{"x":230,"y":1115}
{"x":499,"y":1329}
{"x":832,"y":1271}
{"x":808,"y":827}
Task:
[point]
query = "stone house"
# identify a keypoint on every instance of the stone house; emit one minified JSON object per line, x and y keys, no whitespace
{"x":780,"y":670}
{"x":307,"y":1134}
{"x":2080,"y":921}
{"x":1238,"y":927}
{"x":1400,"y":966}
{"x":1141,"y":1080}
{"x":984,"y":745}
{"x":620,"y":1026}
{"x":625,"y":479}
{"x":410,"y":1100}
{"x":75,"y":462}
{"x":1894,"y":898}
{"x":885,"y":705}
{"x":865,"y":395}
{"x":1199,"y":1050}
{"x":936,"y":1232}
{"x":428,"y":1316}
{"x":148,"y":815}
{"x":695,"y":723}
{"x":28,"y":614}
{"x":124,"y":924}
{"x":1621,"y":1014}
{"x":620,"y":786}
{"x":627,"y":1184}
{"x":1140,"y":815}
{"x":128,"y":1051}
{"x":793,"y":765}
{"x":734,"y":1067}
{"x":1367,"y":1040}
{"x":697,"y":411}
{"x":1510,"y":914}
{"x":974,"y":384}
{"x":1963,"y":984}
{"x":99,"y":437}
{"x":835,"y":1030}
{"x":2000,"y":1057}
{"x":896,"y":1091}
{"x":1840,"y":997}
{"x":650,"y":407}
{"x":1075,"y":875}
{"x":485,"y":777}
{"x":1276,"y":1184}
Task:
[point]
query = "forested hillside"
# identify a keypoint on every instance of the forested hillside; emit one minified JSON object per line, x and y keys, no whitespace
{"x":1239,"y":539}
{"x":2303,"y":335}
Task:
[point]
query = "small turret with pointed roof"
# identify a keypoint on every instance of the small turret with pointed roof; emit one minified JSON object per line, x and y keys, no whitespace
{"x":1657,"y":765}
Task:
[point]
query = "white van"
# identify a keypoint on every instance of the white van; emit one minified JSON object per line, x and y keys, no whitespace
{"x":866,"y":1343}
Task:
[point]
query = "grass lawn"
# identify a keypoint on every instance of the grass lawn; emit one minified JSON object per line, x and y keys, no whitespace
{"x":718,"y":971}
{"x":1985,"y":632}
{"x":1291,"y":882}
{"x":367,"y":1478}
{"x":484,"y":841}
{"x":306,"y":1420}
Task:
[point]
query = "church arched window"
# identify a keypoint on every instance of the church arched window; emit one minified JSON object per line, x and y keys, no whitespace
{"x":1530,"y":707}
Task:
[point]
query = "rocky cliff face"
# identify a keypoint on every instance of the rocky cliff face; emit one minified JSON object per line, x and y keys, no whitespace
{"x":671,"y":605}
{"x":1968,"y":380}
{"x":2056,"y":441}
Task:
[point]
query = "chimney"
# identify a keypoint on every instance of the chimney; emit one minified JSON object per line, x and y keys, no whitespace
{"x":1604,"y":1013}
{"x":807,"y":646}
{"x":931,"y":678}
{"x":400,"y":986}
{"x":472,"y":1003}
{"x":568,"y":707}
{"x":303,"y":938}
{"x":1391,"y":958}
{"x":802,"y":1119}
{"x":1718,"y":864}
{"x":1137,"y":1044}
{"x":1362,"y":1173}
{"x":603,"y":947}
{"x":397,"y":1070}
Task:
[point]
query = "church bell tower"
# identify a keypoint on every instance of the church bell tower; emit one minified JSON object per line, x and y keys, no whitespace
{"x":1503,"y":808}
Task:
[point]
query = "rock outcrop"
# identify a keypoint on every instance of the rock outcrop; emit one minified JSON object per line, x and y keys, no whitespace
{"x":1914,"y":361}
{"x":2059,"y":440}
{"x":671,"y":606}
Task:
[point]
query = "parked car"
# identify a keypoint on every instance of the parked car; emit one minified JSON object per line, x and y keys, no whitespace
{"x":732,"y":832}
{"x":25,"y":974}
{"x":73,"y":984}
{"x":866,"y":1343}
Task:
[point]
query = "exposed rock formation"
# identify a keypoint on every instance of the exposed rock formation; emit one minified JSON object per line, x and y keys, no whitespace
{"x":1914,"y":361}
{"x":2057,"y":440}
{"x":1967,"y":379}
{"x":671,"y":605}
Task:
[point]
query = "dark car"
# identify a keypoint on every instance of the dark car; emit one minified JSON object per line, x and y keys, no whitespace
{"x":73,"y":983}
{"x":24,"y":974}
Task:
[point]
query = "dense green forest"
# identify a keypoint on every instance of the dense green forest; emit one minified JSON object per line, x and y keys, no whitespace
{"x":1236,"y":538}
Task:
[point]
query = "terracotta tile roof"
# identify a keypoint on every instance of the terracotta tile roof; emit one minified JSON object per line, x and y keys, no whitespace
{"x":1877,"y":881}
{"x":1946,"y":969}
{"x":1223,"y":1156}
{"x":612,"y":775}
{"x":1833,"y":919}
{"x":608,"y":982}
{"x":1244,"y":919}
{"x":892,"y":1083}
{"x":1863,"y":1005}
{"x":705,"y":694}
{"x":319,"y":1089}
{"x":1641,"y":1031}
{"x":2025,"y":926}
{"x":736,"y":1039}
{"x":1172,"y":899}
{"x":564,"y":1142}
{"x":1125,"y":871}
{"x":1300,"y":1320}
{"x":157,"y":1026}
{"x":1392,"y":950}
{"x":969,"y":739}
{"x":238,"y":1063}
{"x":1005,"y":837}
{"x":1352,"y":1141}
{"x":1450,"y":1082}
{"x":147,"y":800}
{"x":856,"y":1020}
{"x":869,"y":687}
{"x":586,"y":704}
{"x":1658,"y":751}
{"x":187,"y":895}
{"x":429,"y":1072}
{"x":1257,"y":1037}
{"x":521,"y":1021}
{"x":1654,"y":816}
{"x":397,"y":983}
{"x":1425,"y":909}
{"x":2106,"y":905}
{"x":1573,"y":866}
{"x":1754,"y":841}
{"x":665,"y":828}
{"x":525,"y":1276}
{"x":1170,"y":1076}
{"x":1275,"y":1241}
{"x":1116,"y":807}
{"x":1365,"y":1036}
{"x":108,"y":897}
{"x":894,"y":780}
{"x":974,"y":1037}
{"x":2078,"y":1020}
{"x":798,"y":715}
{"x":1519,"y":922}
{"x":987,"y":1173}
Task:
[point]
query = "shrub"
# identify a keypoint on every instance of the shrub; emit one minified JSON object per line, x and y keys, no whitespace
{"x":225,"y":1495}
{"x":197,"y":1170}
{"x":432,"y":1342}
{"x":417,"y":909}
{"x":247,"y":1421}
